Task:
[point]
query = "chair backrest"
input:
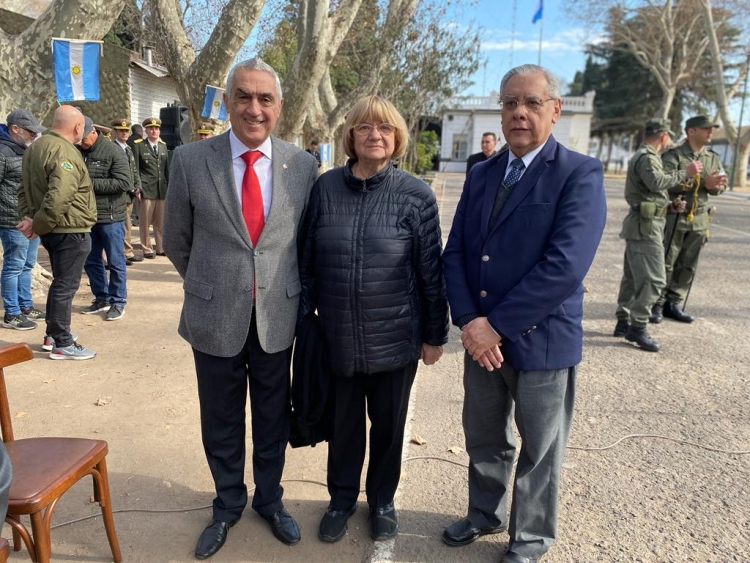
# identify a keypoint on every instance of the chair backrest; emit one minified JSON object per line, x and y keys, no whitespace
{"x":10,"y":355}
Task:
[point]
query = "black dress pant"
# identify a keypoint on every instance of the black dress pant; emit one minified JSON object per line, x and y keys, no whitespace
{"x":67,"y":254}
{"x":222,"y":393}
{"x":387,"y":398}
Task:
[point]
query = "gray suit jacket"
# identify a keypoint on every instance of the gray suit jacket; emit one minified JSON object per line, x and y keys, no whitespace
{"x":206,"y":239}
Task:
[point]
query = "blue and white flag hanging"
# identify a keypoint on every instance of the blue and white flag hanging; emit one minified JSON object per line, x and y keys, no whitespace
{"x":76,"y":69}
{"x":213,"y":105}
{"x":538,"y":13}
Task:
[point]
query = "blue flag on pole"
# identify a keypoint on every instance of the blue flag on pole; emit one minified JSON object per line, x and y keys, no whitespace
{"x":76,"y":69}
{"x":538,"y":13}
{"x":213,"y":105}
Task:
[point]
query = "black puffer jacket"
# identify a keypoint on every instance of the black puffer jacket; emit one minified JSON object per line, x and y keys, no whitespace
{"x":110,"y":175}
{"x":11,"y":154}
{"x":371,"y":264}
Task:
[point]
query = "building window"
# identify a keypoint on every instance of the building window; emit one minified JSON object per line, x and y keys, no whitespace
{"x":460,"y":146}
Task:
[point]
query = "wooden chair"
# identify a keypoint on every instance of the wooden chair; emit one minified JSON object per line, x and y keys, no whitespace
{"x":4,"y":550}
{"x":43,"y":470}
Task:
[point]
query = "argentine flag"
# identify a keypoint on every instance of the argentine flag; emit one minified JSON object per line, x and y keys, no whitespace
{"x":213,"y":105}
{"x":538,"y":13}
{"x":76,"y":69}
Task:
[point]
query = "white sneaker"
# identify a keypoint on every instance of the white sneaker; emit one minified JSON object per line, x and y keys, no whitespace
{"x":73,"y":352}
{"x":49,"y":342}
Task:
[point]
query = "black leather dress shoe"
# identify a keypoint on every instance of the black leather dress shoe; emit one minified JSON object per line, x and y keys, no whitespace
{"x":284,"y":527}
{"x":464,"y":532}
{"x":212,"y":539}
{"x":150,"y":256}
{"x":673,"y":311}
{"x":136,"y":258}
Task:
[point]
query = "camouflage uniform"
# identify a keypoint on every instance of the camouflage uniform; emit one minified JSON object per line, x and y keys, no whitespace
{"x":643,"y":230}
{"x":684,"y":239}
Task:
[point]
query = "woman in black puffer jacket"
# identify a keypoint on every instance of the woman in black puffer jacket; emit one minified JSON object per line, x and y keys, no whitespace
{"x":372,"y":268}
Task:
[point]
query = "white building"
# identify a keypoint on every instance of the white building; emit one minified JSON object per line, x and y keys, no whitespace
{"x":466,"y":118}
{"x":151,"y":88}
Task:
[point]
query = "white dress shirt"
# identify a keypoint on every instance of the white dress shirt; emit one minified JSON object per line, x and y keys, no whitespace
{"x":527,"y":159}
{"x":262,"y":167}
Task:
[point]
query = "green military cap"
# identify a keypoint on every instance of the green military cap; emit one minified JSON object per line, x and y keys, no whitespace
{"x":654,"y":126}
{"x":700,"y":121}
{"x":121,"y":124}
{"x":152,"y":122}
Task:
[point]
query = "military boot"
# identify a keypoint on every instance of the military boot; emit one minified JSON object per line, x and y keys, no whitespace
{"x":621,"y":328}
{"x":656,"y":314}
{"x":640,"y":336}
{"x":673,"y":311}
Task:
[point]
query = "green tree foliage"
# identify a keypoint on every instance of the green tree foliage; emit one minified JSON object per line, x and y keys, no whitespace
{"x":428,"y":147}
{"x":434,"y":62}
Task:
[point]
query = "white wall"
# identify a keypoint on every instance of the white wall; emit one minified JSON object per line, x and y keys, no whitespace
{"x":148,"y":94}
{"x":572,"y":131}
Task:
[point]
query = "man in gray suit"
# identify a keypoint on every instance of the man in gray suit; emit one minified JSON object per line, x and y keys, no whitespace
{"x":231,"y":219}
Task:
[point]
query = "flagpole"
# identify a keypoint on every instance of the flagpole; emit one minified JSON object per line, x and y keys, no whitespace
{"x":541,"y":27}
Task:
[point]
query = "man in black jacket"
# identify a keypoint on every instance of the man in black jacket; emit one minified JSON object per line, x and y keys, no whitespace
{"x":19,"y":253}
{"x":110,"y":176}
{"x":489,"y":141}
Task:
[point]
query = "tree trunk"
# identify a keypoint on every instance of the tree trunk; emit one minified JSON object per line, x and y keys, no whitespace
{"x":722,"y":99}
{"x":193,"y":73}
{"x":740,"y":167}
{"x":320,"y":35}
{"x":26,"y":71}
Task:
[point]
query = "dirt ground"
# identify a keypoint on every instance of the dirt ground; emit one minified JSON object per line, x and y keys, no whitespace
{"x":645,"y":500}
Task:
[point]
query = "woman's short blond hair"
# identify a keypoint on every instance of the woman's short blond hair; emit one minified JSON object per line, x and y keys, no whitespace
{"x":373,"y":110}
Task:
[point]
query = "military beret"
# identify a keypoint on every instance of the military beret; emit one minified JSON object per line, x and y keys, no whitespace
{"x":152,"y":122}
{"x":123,"y":124}
{"x":206,"y":129}
{"x":654,"y":126}
{"x":700,"y":121}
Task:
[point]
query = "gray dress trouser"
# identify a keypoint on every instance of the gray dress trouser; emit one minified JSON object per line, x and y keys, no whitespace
{"x":543,"y":403}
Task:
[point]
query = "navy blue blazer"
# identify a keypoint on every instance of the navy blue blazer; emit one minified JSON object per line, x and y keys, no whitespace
{"x":525,"y":273}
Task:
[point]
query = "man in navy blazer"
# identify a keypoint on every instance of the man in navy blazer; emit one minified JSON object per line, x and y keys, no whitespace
{"x":525,"y":233}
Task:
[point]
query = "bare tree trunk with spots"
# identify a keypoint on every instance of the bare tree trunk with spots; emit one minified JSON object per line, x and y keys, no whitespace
{"x":26,"y":72}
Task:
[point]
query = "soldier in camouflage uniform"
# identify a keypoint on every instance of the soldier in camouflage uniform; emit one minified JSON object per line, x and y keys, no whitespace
{"x":686,"y":233}
{"x":643,"y":277}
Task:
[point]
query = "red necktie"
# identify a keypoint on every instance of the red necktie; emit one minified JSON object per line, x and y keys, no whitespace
{"x":252,"y":198}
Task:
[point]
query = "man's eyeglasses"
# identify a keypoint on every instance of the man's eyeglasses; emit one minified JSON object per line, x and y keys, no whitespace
{"x":366,"y":128}
{"x":532,"y":103}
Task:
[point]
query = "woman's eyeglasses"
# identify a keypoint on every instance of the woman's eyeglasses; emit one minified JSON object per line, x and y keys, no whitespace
{"x":366,"y":128}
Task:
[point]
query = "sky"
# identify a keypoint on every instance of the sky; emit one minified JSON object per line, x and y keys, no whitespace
{"x":563,"y":40}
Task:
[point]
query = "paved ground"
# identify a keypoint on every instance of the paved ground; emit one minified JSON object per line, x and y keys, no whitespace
{"x":645,"y":500}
